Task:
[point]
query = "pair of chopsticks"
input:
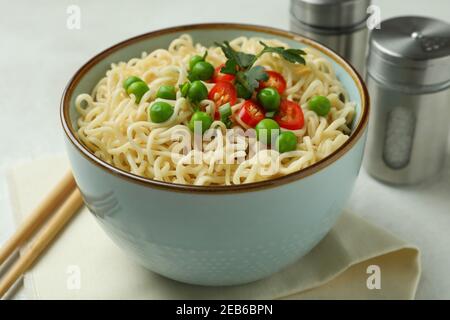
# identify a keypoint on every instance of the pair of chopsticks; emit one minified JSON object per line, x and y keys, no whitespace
{"x":66,"y":199}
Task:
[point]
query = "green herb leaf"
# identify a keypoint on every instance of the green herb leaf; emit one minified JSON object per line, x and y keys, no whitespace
{"x":241,"y":64}
{"x":243,"y":60}
{"x":294,"y":56}
{"x":253,"y":76}
{"x":241,"y":78}
{"x":229,"y":68}
{"x":291,"y":55}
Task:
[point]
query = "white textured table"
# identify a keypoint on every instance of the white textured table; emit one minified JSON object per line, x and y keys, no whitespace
{"x":39,"y":54}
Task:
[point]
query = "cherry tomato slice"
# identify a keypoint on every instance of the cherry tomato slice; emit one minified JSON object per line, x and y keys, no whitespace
{"x":219,"y":76}
{"x":275,"y":80}
{"x":290,"y":115}
{"x":251,"y":113}
{"x":222,"y":93}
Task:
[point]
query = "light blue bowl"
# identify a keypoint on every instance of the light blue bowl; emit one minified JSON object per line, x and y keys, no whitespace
{"x":215,"y":235}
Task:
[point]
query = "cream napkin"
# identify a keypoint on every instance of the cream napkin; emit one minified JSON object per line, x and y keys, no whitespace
{"x":83,"y":263}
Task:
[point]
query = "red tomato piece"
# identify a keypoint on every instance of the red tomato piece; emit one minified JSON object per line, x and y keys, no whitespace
{"x":222,"y":93}
{"x":219,"y":76}
{"x":290,"y":116}
{"x":275,"y":81}
{"x":251,"y":113}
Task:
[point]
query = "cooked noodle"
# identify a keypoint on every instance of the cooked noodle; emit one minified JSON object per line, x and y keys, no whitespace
{"x":116,"y":129}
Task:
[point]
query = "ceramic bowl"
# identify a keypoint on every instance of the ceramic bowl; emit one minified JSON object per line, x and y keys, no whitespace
{"x":222,"y":235}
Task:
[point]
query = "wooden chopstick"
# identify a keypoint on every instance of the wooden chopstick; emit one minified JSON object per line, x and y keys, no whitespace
{"x":64,"y":192}
{"x":39,"y":215}
{"x":43,"y":238}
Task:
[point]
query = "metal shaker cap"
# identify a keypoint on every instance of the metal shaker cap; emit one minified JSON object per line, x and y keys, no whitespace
{"x":411,"y":51}
{"x":330,"y":13}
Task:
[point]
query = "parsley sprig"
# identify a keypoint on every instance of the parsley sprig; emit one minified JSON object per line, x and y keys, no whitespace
{"x":241,"y":64}
{"x":291,"y":55}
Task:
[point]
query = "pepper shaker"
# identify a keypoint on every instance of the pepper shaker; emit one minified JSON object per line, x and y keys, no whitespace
{"x":408,"y":77}
{"x":338,"y":24}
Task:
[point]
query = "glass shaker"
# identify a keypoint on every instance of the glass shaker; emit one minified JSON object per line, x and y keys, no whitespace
{"x":408,"y":77}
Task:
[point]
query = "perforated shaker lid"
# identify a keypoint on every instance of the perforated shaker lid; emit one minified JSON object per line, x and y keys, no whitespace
{"x":330,"y":13}
{"x":411,"y":51}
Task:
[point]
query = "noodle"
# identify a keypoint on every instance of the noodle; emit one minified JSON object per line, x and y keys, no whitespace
{"x":116,"y":129}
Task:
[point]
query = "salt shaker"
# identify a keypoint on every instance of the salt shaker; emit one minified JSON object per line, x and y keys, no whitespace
{"x":408,"y":77}
{"x":338,"y":24}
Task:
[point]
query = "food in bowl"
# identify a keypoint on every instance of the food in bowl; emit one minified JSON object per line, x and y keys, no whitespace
{"x":215,"y":234}
{"x":263,"y":110}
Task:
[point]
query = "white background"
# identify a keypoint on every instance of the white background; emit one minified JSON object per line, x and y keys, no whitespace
{"x":38,"y":55}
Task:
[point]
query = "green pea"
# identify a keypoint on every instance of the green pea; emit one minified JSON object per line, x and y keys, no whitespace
{"x":242,"y":92}
{"x":138,"y":89}
{"x":166,"y":92}
{"x":194,"y":61}
{"x":202,"y":117}
{"x":286,"y":141}
{"x":202,"y":70}
{"x":160,"y":112}
{"x":197,"y":91}
{"x":269,"y":99}
{"x":320,"y":105}
{"x":265,"y":129}
{"x":128,"y":81}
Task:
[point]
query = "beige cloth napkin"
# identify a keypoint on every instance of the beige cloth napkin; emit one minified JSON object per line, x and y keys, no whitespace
{"x":83,"y":263}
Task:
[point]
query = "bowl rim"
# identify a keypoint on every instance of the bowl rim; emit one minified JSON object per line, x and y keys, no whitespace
{"x":246,"y":187}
